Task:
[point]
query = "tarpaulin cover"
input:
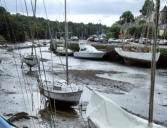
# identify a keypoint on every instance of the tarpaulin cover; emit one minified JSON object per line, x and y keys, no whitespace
{"x":104,"y":113}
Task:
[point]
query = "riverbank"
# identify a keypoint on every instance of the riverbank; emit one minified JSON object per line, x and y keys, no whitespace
{"x":111,"y":55}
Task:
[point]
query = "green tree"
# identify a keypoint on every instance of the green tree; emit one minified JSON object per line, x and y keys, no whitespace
{"x":2,"y":39}
{"x":139,"y":30}
{"x":147,"y":7}
{"x":142,"y":22}
{"x":127,"y":17}
{"x":3,"y":11}
{"x":133,"y":30}
{"x":114,"y":31}
{"x":17,"y":27}
{"x":110,"y":35}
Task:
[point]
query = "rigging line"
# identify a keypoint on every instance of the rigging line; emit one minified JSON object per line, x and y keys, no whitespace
{"x":38,"y":40}
{"x":49,"y":33}
{"x":6,"y":24}
{"x":42,"y":63}
{"x":26,"y":83}
{"x":32,"y":7}
{"x":40,"y":82}
{"x":47,"y":18}
{"x":15,"y":60}
{"x":39,"y":78}
{"x":64,"y":70}
{"x":16,"y":6}
{"x":34,"y":14}
{"x":26,"y":6}
{"x":19,"y":79}
{"x":44,"y":72}
{"x":21,"y":4}
{"x":17,"y":67}
{"x":29,"y":85}
{"x":33,"y":26}
{"x":144,"y":27}
{"x":26,"y":90}
{"x":35,"y":7}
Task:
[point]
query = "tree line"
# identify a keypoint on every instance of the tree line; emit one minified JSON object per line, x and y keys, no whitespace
{"x":18,"y":28}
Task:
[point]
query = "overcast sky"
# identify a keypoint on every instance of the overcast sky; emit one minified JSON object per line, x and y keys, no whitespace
{"x":95,"y":11}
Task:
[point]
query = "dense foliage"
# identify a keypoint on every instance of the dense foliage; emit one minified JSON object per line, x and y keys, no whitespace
{"x":132,"y":29}
{"x":135,"y":30}
{"x":126,"y":17}
{"x":2,"y":39}
{"x":147,"y":7}
{"x":114,"y":31}
{"x":10,"y":28}
{"x":140,"y":30}
{"x":17,"y":27}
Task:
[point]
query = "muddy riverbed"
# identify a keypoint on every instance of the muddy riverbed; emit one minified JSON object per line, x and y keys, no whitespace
{"x":127,"y":86}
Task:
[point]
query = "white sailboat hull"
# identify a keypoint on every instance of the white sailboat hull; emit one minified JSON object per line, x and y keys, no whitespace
{"x":138,"y":57}
{"x":98,"y":55}
{"x":30,"y":62}
{"x":62,"y":51}
{"x":104,"y":113}
{"x":69,"y":98}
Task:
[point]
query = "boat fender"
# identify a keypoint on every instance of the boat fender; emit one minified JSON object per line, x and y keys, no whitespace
{"x":42,"y":91}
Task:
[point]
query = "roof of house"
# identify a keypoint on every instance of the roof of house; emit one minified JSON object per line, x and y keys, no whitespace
{"x":164,"y":9}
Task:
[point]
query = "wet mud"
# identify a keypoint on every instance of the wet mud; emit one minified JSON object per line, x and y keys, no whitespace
{"x":127,"y":86}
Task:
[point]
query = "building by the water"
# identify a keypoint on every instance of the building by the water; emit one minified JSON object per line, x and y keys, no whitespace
{"x":163,"y":20}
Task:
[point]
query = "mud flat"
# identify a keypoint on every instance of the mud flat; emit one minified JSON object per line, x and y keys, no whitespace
{"x":127,"y":86}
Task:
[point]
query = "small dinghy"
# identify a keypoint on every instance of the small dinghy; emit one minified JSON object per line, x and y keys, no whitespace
{"x":5,"y":124}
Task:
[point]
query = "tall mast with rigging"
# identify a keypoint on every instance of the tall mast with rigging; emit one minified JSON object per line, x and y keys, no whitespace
{"x":66,"y":39}
{"x":33,"y":27}
{"x":153,"y":64}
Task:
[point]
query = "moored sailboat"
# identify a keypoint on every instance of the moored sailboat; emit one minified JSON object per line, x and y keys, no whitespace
{"x":63,"y":94}
{"x":139,"y":56}
{"x":31,"y":60}
{"x":62,"y":51}
{"x":136,"y":57}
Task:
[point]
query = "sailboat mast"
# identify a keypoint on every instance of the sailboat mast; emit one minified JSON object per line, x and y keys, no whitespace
{"x":66,"y":39}
{"x":33,"y":27}
{"x":153,"y":64}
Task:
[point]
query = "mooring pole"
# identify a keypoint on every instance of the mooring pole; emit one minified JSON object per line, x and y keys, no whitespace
{"x":153,"y":64}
